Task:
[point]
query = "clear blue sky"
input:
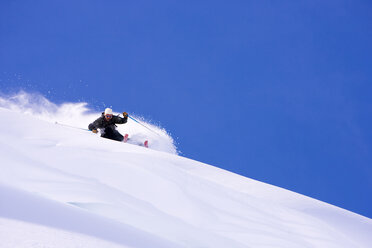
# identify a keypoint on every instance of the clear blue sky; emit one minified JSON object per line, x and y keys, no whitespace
{"x":279,"y":91}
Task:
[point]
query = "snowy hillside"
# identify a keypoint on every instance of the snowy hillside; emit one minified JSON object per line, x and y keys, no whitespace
{"x":66,"y":187}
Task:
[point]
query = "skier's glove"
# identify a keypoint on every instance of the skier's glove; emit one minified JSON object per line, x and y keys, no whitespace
{"x":94,"y":131}
{"x":125,"y":114}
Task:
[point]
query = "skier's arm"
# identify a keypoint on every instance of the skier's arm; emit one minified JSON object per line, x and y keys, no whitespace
{"x":91,"y":126}
{"x":119,"y":120}
{"x":96,"y":124}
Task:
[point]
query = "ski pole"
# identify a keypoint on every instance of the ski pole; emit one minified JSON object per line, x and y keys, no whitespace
{"x":143,"y":125}
{"x":71,"y":126}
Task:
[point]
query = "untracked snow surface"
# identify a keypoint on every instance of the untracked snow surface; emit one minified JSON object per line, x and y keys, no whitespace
{"x":66,"y":187}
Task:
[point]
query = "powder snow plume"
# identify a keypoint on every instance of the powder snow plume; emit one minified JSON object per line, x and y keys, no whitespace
{"x":79,"y":115}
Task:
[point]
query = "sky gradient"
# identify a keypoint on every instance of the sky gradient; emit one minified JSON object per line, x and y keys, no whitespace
{"x":276,"y":91}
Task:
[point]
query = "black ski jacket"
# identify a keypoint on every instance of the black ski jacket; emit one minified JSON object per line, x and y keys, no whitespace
{"x":102,"y":123}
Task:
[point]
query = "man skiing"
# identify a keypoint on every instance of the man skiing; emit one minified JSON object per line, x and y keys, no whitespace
{"x":107,"y":125}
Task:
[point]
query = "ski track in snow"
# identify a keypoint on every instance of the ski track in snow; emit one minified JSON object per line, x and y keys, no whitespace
{"x":63,"y":186}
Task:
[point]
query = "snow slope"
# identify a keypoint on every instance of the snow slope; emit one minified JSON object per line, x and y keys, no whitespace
{"x":65,"y":187}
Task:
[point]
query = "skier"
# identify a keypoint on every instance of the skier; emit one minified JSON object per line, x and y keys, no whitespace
{"x":107,"y":125}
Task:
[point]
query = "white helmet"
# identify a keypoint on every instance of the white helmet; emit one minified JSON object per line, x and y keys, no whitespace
{"x":108,"y":111}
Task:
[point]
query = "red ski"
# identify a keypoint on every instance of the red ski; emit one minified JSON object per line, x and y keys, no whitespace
{"x":125,"y":138}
